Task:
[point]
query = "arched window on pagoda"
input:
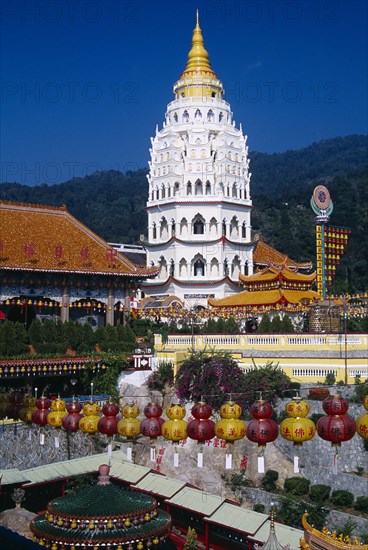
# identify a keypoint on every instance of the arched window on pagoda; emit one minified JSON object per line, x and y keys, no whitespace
{"x":172,"y":268}
{"x":198,"y":225}
{"x":235,"y":267}
{"x":198,"y":115}
{"x":244,"y":230}
{"x":210,"y":116}
{"x":176,"y":188}
{"x":184,"y":227}
{"x":226,"y":267}
{"x":163,"y":264}
{"x":221,"y":116}
{"x":235,"y":193}
{"x":224,"y":228}
{"x":154,"y":231}
{"x":173,"y":227}
{"x":189,"y":188}
{"x":198,"y":188}
{"x":234,"y":227}
{"x":157,"y":194}
{"x":163,"y":191}
{"x":183,"y":268}
{"x":198,"y":268}
{"x":214,"y":267}
{"x":164,"y":233}
{"x":213,"y":227}
{"x":246,"y":268}
{"x":185,"y":116}
{"x":175,"y":117}
{"x":208,"y":188}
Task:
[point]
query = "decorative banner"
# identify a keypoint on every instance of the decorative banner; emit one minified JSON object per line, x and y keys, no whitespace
{"x":336,"y":240}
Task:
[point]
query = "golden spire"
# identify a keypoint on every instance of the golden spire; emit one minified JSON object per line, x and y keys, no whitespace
{"x":198,"y":59}
{"x":198,"y":78}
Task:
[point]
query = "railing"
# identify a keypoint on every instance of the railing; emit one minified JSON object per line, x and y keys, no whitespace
{"x":332,"y":342}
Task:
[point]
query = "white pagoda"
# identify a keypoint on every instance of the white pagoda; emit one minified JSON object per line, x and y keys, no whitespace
{"x":199,"y":205}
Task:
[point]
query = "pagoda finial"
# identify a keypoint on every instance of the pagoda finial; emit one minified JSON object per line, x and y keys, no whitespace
{"x":198,"y":56}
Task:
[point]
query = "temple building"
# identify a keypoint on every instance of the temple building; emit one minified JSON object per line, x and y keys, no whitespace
{"x":272,"y":288}
{"x":103,"y":515}
{"x":52,"y":266}
{"x":199,"y":204}
{"x":327,"y":539}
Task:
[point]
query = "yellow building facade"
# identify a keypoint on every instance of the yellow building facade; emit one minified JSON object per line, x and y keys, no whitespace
{"x":303,"y":357}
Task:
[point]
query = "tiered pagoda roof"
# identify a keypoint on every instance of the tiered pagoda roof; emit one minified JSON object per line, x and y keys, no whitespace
{"x":264,"y":255}
{"x":100,"y":515}
{"x":327,"y":540}
{"x":271,"y":286}
{"x":49,"y":239}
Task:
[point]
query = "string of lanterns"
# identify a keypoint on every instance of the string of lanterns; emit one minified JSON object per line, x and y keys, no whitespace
{"x":335,"y":426}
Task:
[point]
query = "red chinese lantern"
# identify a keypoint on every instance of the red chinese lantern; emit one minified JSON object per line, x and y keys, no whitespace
{"x":297,"y":427}
{"x":151,"y":426}
{"x":108,"y":423}
{"x":336,"y":426}
{"x":39,"y":416}
{"x":14,"y":406}
{"x":362,"y":421}
{"x":230,"y":428}
{"x":71,"y":420}
{"x":262,"y":429}
{"x":175,"y":429}
{"x":201,"y":428}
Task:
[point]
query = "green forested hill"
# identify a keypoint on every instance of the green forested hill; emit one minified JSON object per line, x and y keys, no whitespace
{"x":113,"y":204}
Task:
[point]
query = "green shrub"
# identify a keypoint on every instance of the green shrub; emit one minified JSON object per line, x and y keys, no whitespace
{"x":361,"y":504}
{"x":268,"y":482}
{"x":342,"y":498}
{"x":163,"y":376}
{"x":319,"y":493}
{"x":297,"y":486}
{"x":259,"y":508}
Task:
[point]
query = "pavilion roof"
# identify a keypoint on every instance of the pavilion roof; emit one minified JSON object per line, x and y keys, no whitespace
{"x":264,"y":254}
{"x":274,"y":273}
{"x":265,"y":298}
{"x":50,"y":239}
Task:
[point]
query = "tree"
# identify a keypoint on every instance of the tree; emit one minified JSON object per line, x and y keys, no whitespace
{"x":276,"y":324}
{"x":287,"y":324}
{"x":190,"y":541}
{"x":265,"y":324}
{"x":213,"y":377}
{"x":268,"y":379}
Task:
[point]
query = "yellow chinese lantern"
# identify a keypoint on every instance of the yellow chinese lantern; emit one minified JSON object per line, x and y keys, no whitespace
{"x":175,"y":429}
{"x":362,"y":421}
{"x":129,"y":426}
{"x":89,"y":422}
{"x":58,"y":411}
{"x":28,"y":406}
{"x":230,"y":428}
{"x":297,"y":427}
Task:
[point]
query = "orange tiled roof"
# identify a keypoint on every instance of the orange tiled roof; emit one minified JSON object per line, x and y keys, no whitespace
{"x":272,"y":273}
{"x":49,"y":238}
{"x":264,"y":254}
{"x":264,"y":297}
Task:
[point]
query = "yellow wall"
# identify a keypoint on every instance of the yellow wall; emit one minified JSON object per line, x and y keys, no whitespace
{"x":303,"y":357}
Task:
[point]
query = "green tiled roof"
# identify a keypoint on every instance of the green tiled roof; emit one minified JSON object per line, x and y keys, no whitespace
{"x":102,"y":501}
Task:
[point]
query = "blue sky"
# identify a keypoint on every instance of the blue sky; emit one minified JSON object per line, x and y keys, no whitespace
{"x":84,"y":82}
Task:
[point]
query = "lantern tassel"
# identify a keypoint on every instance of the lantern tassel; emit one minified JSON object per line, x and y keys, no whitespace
{"x":42,"y":439}
{"x":153,"y":454}
{"x":129,"y":454}
{"x":176,"y":459}
{"x":109,"y":449}
{"x":296,"y":464}
{"x":200,"y":459}
{"x":261,"y":462}
{"x":228,"y":461}
{"x":334,"y":463}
